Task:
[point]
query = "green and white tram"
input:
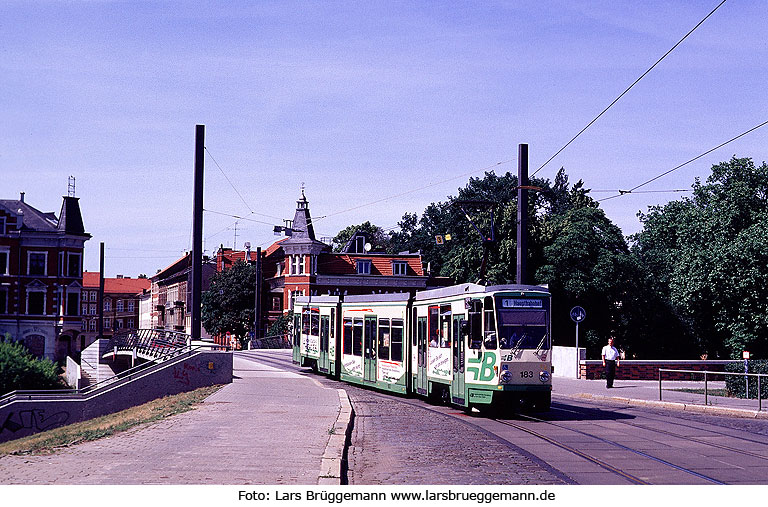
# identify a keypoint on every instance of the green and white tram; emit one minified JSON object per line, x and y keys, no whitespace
{"x":470,"y":345}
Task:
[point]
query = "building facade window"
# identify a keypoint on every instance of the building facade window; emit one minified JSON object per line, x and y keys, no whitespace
{"x":297,"y":264}
{"x":73,"y":304}
{"x":2,"y":225}
{"x":92,"y":309}
{"x":131,"y":305}
{"x":92,"y":325}
{"x":120,"y":305}
{"x":35,"y":302}
{"x":107,"y":305}
{"x":364,"y":267}
{"x":107,"y":323}
{"x":74,"y":263}
{"x":4,"y":261}
{"x":36,"y":263}
{"x":84,"y":309}
{"x":129,"y":323}
{"x":93,"y":296}
{"x":399,"y":268}
{"x":294,"y":295}
{"x":277,"y":303}
{"x":3,"y":300}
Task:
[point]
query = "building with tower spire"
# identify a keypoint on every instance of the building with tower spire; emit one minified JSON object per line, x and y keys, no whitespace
{"x":301,"y":265}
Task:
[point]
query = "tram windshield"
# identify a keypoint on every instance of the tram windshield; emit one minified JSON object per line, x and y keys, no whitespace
{"x":522,"y":328}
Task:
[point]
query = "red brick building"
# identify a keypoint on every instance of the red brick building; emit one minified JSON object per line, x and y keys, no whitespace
{"x":300,"y":265}
{"x":41,"y":263}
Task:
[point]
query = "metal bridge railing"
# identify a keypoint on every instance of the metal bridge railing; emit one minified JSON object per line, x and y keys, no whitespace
{"x":150,"y":342}
{"x":708,"y":374}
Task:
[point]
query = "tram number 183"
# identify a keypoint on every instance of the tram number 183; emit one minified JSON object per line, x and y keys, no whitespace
{"x":526,"y":374}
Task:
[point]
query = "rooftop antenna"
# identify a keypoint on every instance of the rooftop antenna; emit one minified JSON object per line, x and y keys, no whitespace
{"x":71,"y":186}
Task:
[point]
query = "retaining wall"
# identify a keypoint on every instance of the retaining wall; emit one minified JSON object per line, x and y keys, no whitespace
{"x":205,"y":368}
{"x":649,"y":370}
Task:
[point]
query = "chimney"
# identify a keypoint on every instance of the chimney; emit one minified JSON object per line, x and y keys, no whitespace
{"x":21,"y":197}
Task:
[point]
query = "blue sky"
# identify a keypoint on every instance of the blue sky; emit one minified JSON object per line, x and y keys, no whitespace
{"x":359,"y":101}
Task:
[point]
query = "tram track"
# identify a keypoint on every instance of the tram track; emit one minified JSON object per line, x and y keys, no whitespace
{"x":693,"y":439}
{"x":492,"y":427}
{"x":600,"y":463}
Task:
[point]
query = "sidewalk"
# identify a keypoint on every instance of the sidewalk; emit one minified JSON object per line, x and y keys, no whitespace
{"x":646,"y":393}
{"x":267,"y":427}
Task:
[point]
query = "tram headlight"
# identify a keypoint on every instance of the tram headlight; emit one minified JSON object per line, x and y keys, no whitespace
{"x":544,"y":376}
{"x":505,"y":377}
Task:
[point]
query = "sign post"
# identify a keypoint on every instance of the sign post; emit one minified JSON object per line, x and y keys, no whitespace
{"x":745,"y":355}
{"x":577,"y":315}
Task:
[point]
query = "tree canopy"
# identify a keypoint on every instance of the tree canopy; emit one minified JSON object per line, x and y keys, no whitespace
{"x":229,"y":303}
{"x":709,"y":255}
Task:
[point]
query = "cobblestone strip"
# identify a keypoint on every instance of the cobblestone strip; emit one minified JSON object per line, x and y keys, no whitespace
{"x":397,"y":443}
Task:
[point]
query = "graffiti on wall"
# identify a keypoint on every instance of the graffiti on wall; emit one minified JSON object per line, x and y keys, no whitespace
{"x":33,"y":419}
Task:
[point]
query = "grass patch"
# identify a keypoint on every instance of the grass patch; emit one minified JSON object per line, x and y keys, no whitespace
{"x":47,"y":442}
{"x":710,"y":392}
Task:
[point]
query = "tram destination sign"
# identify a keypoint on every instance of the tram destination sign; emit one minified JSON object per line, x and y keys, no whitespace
{"x":521,"y":303}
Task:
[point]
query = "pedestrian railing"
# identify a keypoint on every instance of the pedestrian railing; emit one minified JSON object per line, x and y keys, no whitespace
{"x":122,"y":377}
{"x":151,"y":343}
{"x":707,"y":376}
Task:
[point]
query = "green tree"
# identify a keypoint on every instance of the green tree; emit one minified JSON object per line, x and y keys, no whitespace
{"x":710,"y":256}
{"x":228,"y":304}
{"x":21,"y":370}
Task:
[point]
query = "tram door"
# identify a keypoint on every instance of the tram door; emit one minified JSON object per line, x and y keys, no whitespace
{"x":421,"y":368}
{"x":369,"y":349}
{"x":457,"y":384}
{"x":323,"y":362}
{"x":297,"y":337}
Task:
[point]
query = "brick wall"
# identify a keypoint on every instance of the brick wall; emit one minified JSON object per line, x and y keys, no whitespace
{"x":649,"y":370}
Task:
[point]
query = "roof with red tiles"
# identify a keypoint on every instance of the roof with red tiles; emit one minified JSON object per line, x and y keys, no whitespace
{"x":115,"y":285}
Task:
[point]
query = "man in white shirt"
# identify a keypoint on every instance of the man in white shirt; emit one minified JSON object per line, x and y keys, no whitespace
{"x":610,"y":362}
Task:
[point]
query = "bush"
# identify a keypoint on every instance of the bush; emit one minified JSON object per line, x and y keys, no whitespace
{"x":20,"y":370}
{"x":736,"y":385}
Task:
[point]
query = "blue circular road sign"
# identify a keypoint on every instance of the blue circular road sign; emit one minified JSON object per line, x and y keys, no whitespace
{"x":578,"y":314}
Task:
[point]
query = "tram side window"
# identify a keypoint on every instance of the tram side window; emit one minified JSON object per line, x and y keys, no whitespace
{"x":348,"y":336}
{"x":397,"y":340}
{"x":434,"y":327}
{"x":357,"y":337}
{"x":489,"y":324}
{"x":333,"y":323}
{"x":384,"y":339}
{"x":475,"y":324}
{"x":314,"y":322}
{"x":445,"y":327}
{"x":305,"y":321}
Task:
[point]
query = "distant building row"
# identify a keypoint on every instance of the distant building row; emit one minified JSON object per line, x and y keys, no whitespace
{"x":48,"y":303}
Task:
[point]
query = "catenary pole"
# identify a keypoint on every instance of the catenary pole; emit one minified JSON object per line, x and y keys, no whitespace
{"x":522,"y":213}
{"x":197,"y":233}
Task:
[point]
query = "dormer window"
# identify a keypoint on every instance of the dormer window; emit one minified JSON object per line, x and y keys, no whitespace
{"x":364,"y":267}
{"x":359,"y":244}
{"x":399,"y":268}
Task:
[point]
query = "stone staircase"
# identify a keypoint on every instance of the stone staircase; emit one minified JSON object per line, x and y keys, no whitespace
{"x":92,"y":369}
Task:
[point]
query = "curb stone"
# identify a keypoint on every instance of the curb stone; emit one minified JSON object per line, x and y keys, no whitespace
{"x":331,"y":463}
{"x":702,"y":409}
